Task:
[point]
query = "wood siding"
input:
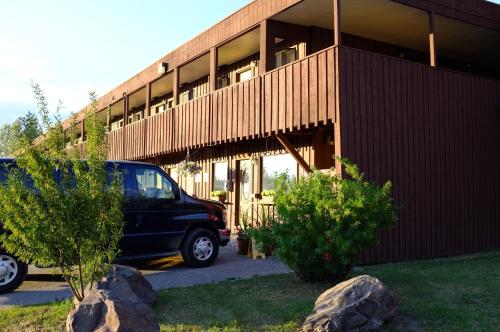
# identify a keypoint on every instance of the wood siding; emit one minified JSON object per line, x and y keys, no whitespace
{"x":435,"y":134}
{"x":299,"y":95}
{"x":232,"y":153}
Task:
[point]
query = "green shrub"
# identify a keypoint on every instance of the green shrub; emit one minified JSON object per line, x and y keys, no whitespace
{"x":71,"y":216}
{"x":326,"y":221}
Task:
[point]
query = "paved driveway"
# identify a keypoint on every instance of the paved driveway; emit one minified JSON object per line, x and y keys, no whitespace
{"x":41,"y":286}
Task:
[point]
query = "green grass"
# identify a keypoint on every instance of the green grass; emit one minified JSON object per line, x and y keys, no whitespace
{"x":458,"y":294}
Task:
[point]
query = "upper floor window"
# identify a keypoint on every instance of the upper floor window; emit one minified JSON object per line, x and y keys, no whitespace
{"x":116,"y":125}
{"x":186,"y":96}
{"x":170,"y":103}
{"x":286,"y":56}
{"x":244,"y":75}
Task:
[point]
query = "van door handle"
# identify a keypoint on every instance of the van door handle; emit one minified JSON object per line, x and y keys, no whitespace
{"x":139,"y":220}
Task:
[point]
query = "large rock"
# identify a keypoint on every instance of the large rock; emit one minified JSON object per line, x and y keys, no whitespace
{"x":359,"y":304}
{"x":120,"y":302}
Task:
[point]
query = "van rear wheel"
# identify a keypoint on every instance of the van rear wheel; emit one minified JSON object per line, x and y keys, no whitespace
{"x":12,"y":273}
{"x":200,"y":248}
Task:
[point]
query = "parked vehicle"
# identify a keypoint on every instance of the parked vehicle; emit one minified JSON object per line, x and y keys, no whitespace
{"x":161,"y":220}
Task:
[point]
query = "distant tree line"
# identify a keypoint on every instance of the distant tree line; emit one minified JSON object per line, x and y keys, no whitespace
{"x":25,"y":127}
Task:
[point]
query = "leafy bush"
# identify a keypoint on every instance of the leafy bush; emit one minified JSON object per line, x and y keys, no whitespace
{"x":59,"y":210}
{"x":326,"y":221}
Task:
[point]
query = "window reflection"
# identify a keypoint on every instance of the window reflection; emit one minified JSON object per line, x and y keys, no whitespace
{"x":220,"y":176}
{"x":273,"y":166}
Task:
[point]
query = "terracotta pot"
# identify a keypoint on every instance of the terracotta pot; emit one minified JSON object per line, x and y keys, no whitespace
{"x":242,"y":246}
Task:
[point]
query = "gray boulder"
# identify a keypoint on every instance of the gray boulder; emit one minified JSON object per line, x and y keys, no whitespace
{"x":360,"y":304}
{"x":120,"y":302}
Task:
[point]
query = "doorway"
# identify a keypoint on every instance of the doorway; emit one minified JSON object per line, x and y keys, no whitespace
{"x":244,"y":194}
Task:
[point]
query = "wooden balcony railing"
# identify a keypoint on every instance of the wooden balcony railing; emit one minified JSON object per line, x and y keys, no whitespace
{"x":299,"y":95}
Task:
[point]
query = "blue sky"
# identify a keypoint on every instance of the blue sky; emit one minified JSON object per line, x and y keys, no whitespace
{"x":71,"y":47}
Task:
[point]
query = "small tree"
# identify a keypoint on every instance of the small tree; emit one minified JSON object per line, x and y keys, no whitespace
{"x":59,"y":210}
{"x":324,"y":222}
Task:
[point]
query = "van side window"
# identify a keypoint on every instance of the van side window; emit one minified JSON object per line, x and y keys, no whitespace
{"x":152,"y":184}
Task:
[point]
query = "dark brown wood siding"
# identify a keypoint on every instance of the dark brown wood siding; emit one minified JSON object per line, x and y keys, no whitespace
{"x":435,"y":134}
{"x":232,"y":152}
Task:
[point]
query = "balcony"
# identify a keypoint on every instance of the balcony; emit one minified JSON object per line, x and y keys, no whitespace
{"x":297,"y":96}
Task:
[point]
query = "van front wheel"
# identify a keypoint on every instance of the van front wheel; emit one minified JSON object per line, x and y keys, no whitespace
{"x":200,"y":248}
{"x":12,"y":273}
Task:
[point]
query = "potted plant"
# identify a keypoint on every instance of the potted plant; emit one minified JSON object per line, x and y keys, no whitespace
{"x":242,"y":238}
{"x":268,"y":196}
{"x":262,"y":232}
{"x":187,"y":167}
{"x":220,"y":194}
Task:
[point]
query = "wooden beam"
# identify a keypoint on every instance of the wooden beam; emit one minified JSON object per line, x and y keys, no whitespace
{"x":125,"y":121}
{"x":266,"y":62}
{"x":125,"y":109}
{"x":147,"y":109}
{"x":213,"y":69}
{"x":337,"y":36}
{"x":82,"y":130}
{"x":176,"y":86}
{"x":432,"y":40}
{"x":291,"y":150}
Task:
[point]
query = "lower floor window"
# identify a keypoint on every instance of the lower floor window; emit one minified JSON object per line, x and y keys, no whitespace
{"x":273,"y":166}
{"x":220,"y":176}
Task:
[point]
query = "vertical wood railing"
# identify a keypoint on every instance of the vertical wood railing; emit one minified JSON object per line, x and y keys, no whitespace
{"x":296,"y":96}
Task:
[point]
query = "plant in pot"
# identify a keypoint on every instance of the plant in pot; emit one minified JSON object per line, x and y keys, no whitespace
{"x":242,"y":231}
{"x":262,"y":233}
{"x":220,"y":194}
{"x":268,"y":196}
{"x":188,"y":168}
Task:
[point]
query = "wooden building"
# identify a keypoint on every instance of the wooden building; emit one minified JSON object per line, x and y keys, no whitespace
{"x":407,"y":89}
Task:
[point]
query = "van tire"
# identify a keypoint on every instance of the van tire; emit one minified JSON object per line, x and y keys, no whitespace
{"x":200,"y":248}
{"x":11,"y":280}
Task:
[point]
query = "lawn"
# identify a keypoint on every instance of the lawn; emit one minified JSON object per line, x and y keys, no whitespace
{"x":457,"y":294}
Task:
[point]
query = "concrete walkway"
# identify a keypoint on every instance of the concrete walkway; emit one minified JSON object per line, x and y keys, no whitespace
{"x":41,"y":286}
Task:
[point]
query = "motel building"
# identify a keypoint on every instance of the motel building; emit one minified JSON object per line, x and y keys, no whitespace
{"x":407,"y":89}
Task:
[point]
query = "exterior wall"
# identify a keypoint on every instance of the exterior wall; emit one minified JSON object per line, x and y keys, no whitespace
{"x":306,"y":144}
{"x":435,"y":134}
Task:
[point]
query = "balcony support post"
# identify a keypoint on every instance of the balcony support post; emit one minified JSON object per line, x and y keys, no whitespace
{"x":291,"y":150}
{"x":432,"y":40}
{"x":125,"y":109}
{"x":82,"y":130}
{"x":125,"y":122}
{"x":213,"y":69}
{"x":176,"y":87}
{"x":337,"y":36}
{"x":147,"y":108}
{"x":266,"y":62}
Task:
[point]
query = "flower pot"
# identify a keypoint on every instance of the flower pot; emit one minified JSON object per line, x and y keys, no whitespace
{"x":242,"y":246}
{"x":222,"y":198}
